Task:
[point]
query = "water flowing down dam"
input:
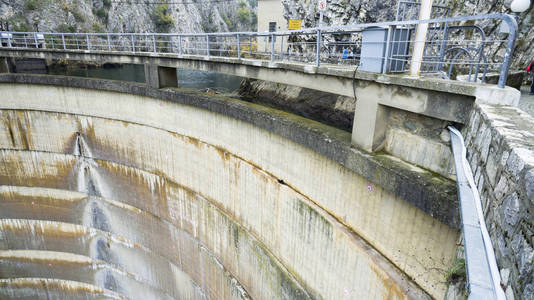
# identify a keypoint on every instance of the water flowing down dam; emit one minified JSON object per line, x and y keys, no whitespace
{"x":114,"y":190}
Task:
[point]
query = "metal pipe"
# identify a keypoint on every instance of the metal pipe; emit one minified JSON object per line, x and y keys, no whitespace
{"x":282,"y":48}
{"x":238,"y":46}
{"x":63,"y":41}
{"x":109,"y":43}
{"x":318,"y":49}
{"x":133,"y":42}
{"x":88,"y":42}
{"x":180,"y":45}
{"x":272,"y":47}
{"x":512,"y":25}
{"x":207,"y":45}
{"x":482,"y":272}
{"x":154,"y":43}
{"x":420,"y":38}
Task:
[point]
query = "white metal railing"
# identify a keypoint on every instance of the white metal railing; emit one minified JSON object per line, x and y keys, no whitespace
{"x":451,"y":44}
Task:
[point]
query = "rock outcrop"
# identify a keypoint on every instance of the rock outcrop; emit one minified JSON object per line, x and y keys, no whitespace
{"x":128,"y":15}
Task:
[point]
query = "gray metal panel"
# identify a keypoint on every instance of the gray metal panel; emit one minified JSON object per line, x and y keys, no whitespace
{"x":400,"y":46}
{"x":373,"y":49}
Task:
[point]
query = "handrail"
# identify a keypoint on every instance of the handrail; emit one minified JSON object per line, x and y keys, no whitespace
{"x":317,"y":35}
{"x":482,"y":272}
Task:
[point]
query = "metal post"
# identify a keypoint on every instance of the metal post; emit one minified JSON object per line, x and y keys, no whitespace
{"x":512,"y":25}
{"x":109,"y":43}
{"x":133,"y":42}
{"x":180,"y":45}
{"x":208,"y":45}
{"x":272,"y":47}
{"x":63,"y":41}
{"x":9,"y":40}
{"x":35,"y":39}
{"x":282,"y":47}
{"x":318,"y":58}
{"x":88,"y":42}
{"x":25,"y":41}
{"x":388,"y":42}
{"x":250,"y":45}
{"x":238,"y":46}
{"x":171,"y":50}
{"x":420,"y":38}
{"x":154,"y":42}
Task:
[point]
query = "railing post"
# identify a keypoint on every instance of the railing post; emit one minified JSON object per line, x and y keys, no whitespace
{"x":250,"y":45}
{"x":63,"y":41}
{"x":25,"y":41}
{"x":282,"y":47}
{"x":512,"y":25}
{"x":88,"y":42}
{"x":35,"y":40}
{"x":154,"y":42}
{"x":180,"y":45}
{"x":208,"y":44}
{"x":171,"y":48}
{"x":238,"y":46}
{"x":272,"y":47}
{"x":9,"y":40}
{"x":109,"y":42}
{"x":318,"y":55}
{"x":133,"y":42}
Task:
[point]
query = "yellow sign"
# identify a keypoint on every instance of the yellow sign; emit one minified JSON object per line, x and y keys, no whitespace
{"x":294,"y":24}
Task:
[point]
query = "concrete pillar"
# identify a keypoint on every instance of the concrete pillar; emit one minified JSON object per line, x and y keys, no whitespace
{"x":370,"y":119}
{"x":160,"y":77}
{"x":4,"y":65}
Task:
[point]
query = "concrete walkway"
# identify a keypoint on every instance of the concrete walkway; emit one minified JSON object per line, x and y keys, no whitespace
{"x":527,"y":101}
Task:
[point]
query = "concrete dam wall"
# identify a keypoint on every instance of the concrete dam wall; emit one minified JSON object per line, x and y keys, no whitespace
{"x":114,"y":190}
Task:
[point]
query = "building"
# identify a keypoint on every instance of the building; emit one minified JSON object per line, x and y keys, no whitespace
{"x":270,"y":18}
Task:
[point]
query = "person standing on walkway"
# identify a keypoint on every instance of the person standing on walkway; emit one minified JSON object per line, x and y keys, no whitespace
{"x":530,"y":69}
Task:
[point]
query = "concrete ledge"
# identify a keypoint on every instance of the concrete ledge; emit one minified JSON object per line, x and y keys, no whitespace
{"x":507,"y":96}
{"x":431,"y":193}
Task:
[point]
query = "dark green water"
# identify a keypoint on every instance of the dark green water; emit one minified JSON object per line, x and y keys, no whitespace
{"x":190,"y":79}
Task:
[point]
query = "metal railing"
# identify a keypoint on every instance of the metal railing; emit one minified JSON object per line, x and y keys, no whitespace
{"x":463,"y":45}
{"x":483,"y":278}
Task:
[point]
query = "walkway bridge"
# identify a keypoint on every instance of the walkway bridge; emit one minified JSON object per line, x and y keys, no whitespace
{"x":118,"y":189}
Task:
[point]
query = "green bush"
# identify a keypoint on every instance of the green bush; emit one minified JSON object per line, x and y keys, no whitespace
{"x":243,"y":15}
{"x":456,"y":272}
{"x":31,"y":4}
{"x":77,"y":16}
{"x":107,"y":3}
{"x":97,"y":27}
{"x":66,"y":28}
{"x":162,"y":18}
{"x":102,"y":13}
{"x":22,"y":27}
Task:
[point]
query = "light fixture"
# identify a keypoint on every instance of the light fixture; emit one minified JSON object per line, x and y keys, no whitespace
{"x":519,"y":6}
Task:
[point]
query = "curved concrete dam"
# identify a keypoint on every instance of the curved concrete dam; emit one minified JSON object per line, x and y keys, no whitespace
{"x":114,"y":190}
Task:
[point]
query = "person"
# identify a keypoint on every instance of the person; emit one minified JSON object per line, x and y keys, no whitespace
{"x":530,"y":69}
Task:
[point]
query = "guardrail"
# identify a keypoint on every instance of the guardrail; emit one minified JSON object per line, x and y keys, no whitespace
{"x":483,"y":276}
{"x":454,"y":45}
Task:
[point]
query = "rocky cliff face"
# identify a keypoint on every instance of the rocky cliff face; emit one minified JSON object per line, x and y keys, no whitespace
{"x":128,"y":15}
{"x":345,"y":12}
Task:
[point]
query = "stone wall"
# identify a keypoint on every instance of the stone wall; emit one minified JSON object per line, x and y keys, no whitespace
{"x":500,"y":143}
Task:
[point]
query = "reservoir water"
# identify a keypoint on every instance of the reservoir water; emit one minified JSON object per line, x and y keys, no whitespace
{"x":189,"y":79}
